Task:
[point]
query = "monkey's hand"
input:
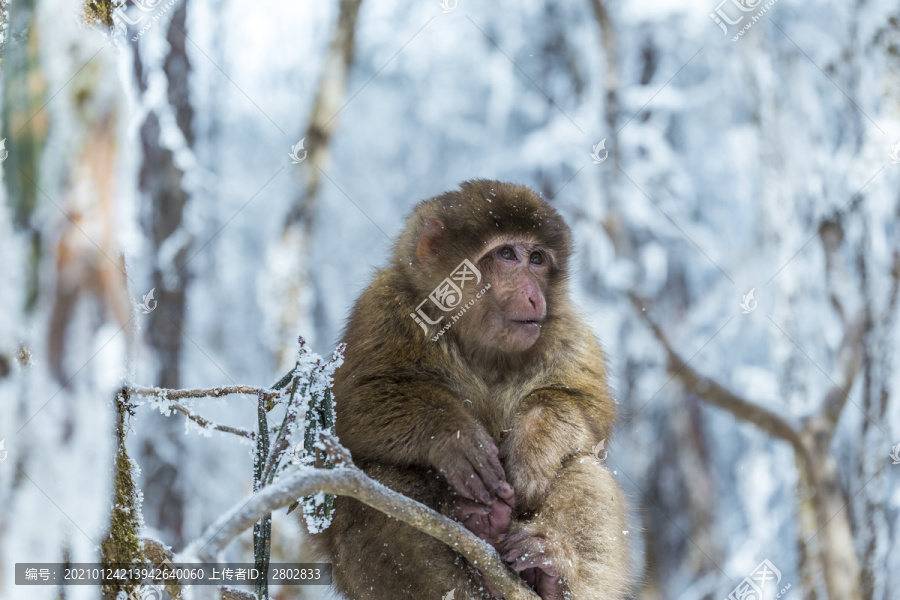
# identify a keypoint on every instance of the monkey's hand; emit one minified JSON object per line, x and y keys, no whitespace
{"x":489,"y":522}
{"x":538,"y":559}
{"x":470,"y":462}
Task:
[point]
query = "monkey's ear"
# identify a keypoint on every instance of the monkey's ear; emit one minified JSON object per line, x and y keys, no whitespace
{"x":427,"y":247}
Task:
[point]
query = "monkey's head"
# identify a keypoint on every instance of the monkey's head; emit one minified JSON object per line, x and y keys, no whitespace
{"x":519,"y":247}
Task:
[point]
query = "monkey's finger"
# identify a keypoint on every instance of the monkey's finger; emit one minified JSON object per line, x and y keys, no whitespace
{"x":493,"y":591}
{"x":476,"y":524}
{"x":548,"y":586}
{"x":486,"y":455}
{"x":511,"y":555}
{"x":499,"y":521}
{"x":507,"y":493}
{"x":464,"y":513}
{"x":530,"y":562}
{"x":465,"y":509}
{"x":469,"y":485}
{"x":490,"y":477}
{"x":493,"y":456}
{"x":478,"y":488}
{"x":458,"y":481}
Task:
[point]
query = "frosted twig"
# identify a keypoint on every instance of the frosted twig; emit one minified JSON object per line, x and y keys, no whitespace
{"x":281,"y":440}
{"x":354,"y":483}
{"x":168,"y":395}
{"x":216,"y":392}
{"x":207,"y":424}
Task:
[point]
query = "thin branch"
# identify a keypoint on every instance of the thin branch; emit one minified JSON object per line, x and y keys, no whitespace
{"x":281,"y":442}
{"x":347,"y":480}
{"x":714,"y":393}
{"x":207,"y":424}
{"x":849,"y":359}
{"x":216,"y":392}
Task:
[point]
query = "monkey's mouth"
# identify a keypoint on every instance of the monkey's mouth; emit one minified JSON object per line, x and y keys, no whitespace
{"x":528,"y":322}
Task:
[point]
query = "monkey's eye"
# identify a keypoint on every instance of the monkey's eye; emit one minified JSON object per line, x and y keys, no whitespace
{"x":507,"y":252}
{"x":536,"y":258}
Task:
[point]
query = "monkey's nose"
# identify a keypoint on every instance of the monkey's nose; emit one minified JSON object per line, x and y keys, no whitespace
{"x":535,"y":300}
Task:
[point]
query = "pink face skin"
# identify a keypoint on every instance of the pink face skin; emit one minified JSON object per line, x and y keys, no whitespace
{"x":517,"y":271}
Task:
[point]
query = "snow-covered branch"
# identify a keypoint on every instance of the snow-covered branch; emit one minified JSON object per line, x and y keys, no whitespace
{"x":215,"y":392}
{"x":167,"y":396}
{"x":207,"y":424}
{"x":347,"y":480}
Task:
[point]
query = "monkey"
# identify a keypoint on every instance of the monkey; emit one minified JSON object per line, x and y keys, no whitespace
{"x":471,"y":384}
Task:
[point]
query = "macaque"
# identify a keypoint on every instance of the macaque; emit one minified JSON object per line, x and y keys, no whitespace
{"x":470,"y":384}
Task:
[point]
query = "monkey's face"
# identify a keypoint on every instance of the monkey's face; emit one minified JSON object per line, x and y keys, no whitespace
{"x":519,"y":270}
{"x":513,"y":311}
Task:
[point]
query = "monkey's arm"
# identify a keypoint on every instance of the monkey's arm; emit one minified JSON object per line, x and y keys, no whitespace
{"x":575,"y":544}
{"x":551,"y":424}
{"x":419,"y":423}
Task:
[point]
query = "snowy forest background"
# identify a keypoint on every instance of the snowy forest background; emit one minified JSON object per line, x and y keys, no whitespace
{"x":154,"y":155}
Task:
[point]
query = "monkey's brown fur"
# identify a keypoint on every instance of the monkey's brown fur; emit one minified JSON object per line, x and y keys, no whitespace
{"x":407,"y":406}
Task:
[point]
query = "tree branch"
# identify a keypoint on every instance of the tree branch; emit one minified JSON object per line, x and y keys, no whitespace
{"x":216,"y":392}
{"x":348,"y":480}
{"x":849,"y":360}
{"x":207,"y":424}
{"x":168,"y":395}
{"x":714,"y":393}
